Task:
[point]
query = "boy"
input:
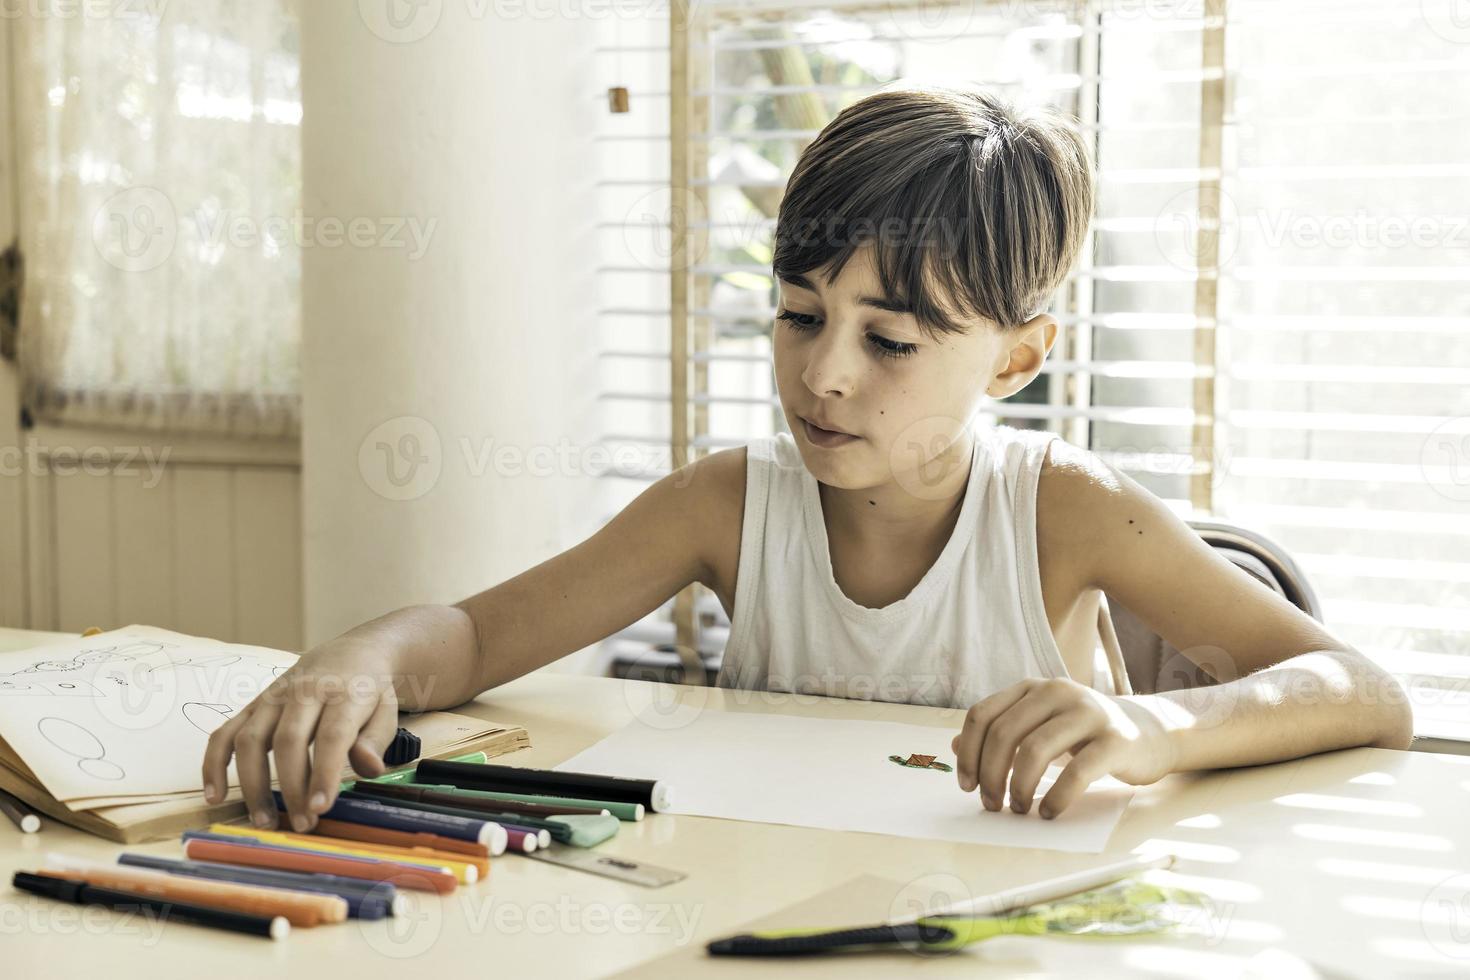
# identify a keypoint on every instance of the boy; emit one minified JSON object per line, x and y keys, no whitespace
{"x":887,"y":547}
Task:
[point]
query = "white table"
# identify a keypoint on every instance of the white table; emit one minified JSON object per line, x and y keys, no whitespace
{"x":1358,"y":861}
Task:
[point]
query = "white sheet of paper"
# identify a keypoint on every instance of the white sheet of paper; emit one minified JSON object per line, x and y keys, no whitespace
{"x":127,"y":712}
{"x":836,"y":774}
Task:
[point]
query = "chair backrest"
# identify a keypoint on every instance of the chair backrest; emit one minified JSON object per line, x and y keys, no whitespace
{"x":1154,"y":665}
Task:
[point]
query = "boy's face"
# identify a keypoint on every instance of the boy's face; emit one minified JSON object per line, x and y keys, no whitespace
{"x":899,"y":400}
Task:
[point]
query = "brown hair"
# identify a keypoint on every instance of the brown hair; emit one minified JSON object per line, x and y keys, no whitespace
{"x":973,"y":207}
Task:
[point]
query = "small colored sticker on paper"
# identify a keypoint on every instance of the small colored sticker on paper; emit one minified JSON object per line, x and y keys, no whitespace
{"x":918,"y":761}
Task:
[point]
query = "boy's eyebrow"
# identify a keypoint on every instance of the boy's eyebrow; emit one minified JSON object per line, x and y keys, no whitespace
{"x":876,"y":302}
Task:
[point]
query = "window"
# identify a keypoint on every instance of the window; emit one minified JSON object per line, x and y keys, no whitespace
{"x":160,"y":217}
{"x":1269,"y":326}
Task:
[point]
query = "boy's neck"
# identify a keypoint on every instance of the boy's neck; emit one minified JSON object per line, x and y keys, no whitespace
{"x":911,"y":508}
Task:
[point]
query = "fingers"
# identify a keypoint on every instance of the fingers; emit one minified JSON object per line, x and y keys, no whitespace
{"x":252,"y":762}
{"x":366,"y":754}
{"x":342,"y":726}
{"x":1002,"y":738}
{"x":215,"y":770}
{"x":291,"y":745}
{"x":967,"y":743}
{"x":1038,"y":750}
{"x":1086,"y":766}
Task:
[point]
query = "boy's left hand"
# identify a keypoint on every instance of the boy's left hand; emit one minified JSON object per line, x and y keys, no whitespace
{"x":1018,"y":732}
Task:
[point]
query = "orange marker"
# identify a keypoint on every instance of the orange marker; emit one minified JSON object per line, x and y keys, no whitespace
{"x":298,"y":908}
{"x":465,"y":868}
{"x":299,"y":859}
{"x":400,"y":838}
{"x":392,"y":851}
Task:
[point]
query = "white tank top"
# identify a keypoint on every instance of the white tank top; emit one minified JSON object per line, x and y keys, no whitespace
{"x":974,"y":624}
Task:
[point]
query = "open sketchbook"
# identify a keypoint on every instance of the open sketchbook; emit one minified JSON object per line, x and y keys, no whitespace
{"x":107,"y":732}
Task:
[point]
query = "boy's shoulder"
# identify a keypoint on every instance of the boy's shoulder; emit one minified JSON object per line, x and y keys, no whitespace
{"x":1077,"y":495}
{"x":717,"y":486}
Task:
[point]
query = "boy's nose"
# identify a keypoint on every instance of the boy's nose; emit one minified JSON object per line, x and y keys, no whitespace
{"x":832,"y":367}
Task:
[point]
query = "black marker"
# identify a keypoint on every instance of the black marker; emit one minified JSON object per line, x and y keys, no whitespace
{"x":652,"y":793}
{"x":80,"y":893}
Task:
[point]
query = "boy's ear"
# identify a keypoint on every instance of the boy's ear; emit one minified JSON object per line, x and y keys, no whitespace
{"x":1027,"y":348}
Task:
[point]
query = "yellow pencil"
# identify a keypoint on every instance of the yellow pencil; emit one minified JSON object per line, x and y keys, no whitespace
{"x":465,"y":873}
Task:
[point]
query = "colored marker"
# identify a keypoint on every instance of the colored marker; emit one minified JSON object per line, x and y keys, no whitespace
{"x":467,"y":799}
{"x":203,"y":847}
{"x":399,"y":838}
{"x":364,"y":900}
{"x":557,"y":830}
{"x":299,"y":908}
{"x":376,"y":813}
{"x":465,"y":872}
{"x":80,"y":893}
{"x":21,"y":815}
{"x":623,"y":811}
{"x":408,"y":775}
{"x":516,"y":779}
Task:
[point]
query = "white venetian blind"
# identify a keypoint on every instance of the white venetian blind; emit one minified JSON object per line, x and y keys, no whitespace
{"x":1269,"y":326}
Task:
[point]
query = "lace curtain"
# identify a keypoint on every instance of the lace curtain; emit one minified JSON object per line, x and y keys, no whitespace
{"x":159,"y":184}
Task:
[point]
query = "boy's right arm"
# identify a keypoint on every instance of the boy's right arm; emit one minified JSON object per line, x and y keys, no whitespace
{"x":340,"y":702}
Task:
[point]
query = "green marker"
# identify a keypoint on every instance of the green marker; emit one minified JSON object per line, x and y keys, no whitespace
{"x":623,"y":811}
{"x":408,"y":773}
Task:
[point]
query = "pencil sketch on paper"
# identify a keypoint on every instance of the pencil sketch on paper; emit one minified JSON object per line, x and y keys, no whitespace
{"x":80,"y":743}
{"x":25,"y":682}
{"x":132,"y":707}
{"x":206,"y":717}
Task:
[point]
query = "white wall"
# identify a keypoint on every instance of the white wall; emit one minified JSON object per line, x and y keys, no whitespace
{"x":479,"y":132}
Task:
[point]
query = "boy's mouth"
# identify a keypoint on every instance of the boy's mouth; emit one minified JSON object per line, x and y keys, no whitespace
{"x":825,"y":438}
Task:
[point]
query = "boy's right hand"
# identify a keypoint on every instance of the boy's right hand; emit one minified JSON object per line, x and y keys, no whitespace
{"x":339,"y":696}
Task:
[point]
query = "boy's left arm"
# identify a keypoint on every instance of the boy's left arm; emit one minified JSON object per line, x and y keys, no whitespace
{"x":1287,"y":687}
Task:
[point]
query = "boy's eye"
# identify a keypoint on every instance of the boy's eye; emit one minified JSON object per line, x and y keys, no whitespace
{"x":798,"y":321}
{"x":891,"y":348}
{"x":882,"y":346}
